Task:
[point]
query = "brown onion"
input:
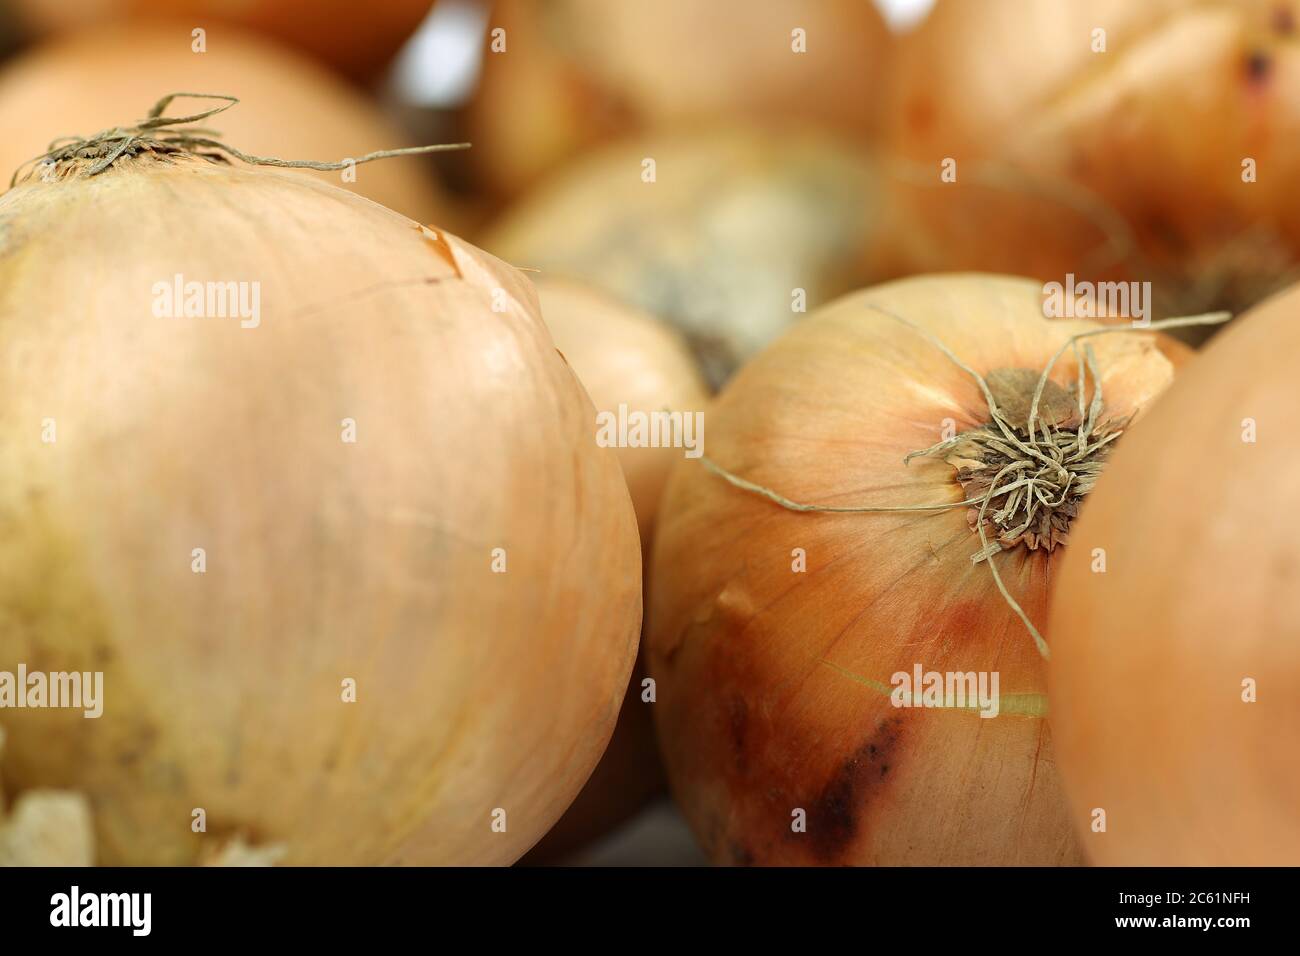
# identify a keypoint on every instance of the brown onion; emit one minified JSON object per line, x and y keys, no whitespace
{"x":1126,"y":163}
{"x":775,"y":635}
{"x":1179,"y":600}
{"x":385,"y":486}
{"x":740,"y":229}
{"x":579,"y":72}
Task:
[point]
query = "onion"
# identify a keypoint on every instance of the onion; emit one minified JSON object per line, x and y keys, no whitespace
{"x":291,"y":107}
{"x":774,"y":683}
{"x":1198,"y":596}
{"x":356,"y":38}
{"x":734,"y":223}
{"x":1125,"y":163}
{"x":622,"y":357}
{"x":324,"y":560}
{"x":579,"y":72}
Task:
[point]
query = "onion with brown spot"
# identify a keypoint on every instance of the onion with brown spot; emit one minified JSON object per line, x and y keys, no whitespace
{"x":775,"y":682}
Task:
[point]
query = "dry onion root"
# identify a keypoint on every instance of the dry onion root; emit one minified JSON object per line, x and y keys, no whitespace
{"x":93,"y":79}
{"x":775,"y":632}
{"x":1176,"y":675}
{"x":357,"y":578}
{"x":1070,"y":158}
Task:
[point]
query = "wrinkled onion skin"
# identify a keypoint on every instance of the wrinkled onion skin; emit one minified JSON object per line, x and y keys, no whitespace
{"x":756,"y":715}
{"x":326,"y":560}
{"x":1201,"y":591}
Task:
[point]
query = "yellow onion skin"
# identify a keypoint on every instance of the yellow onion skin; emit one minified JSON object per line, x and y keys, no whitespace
{"x":356,"y":39}
{"x":1199,"y":594}
{"x":734,"y":222}
{"x":291,"y":108}
{"x":764,"y":673}
{"x":326,"y":560}
{"x":1156,"y":128}
{"x":576,"y":73}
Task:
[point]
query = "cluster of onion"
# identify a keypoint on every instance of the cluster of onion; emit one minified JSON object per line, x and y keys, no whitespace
{"x":1152,"y":141}
{"x":360,"y":583}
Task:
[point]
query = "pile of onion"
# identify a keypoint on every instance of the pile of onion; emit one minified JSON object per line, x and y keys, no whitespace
{"x":622,"y":357}
{"x":291,"y":107}
{"x":774,"y":632}
{"x":356,"y":38}
{"x":739,"y":230}
{"x":361,"y":584}
{"x":574,"y":73}
{"x":1126,"y":163}
{"x":1175,"y":676}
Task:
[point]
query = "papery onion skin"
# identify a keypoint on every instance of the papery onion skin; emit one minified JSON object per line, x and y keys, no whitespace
{"x":1157,"y":127}
{"x":325,"y":560}
{"x":1201,"y":591}
{"x":577,"y":73}
{"x":290,"y":108}
{"x":762,"y":707}
{"x":734,"y":222}
{"x":355,"y":38}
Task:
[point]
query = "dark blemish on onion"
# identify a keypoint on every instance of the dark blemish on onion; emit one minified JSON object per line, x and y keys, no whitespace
{"x":738,"y":723}
{"x":741,"y":855}
{"x":835,"y":816}
{"x":1258,"y":66}
{"x":1283,"y":21}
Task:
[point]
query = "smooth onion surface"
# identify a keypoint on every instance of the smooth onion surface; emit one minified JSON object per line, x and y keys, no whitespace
{"x":1200,"y":593}
{"x":325,"y":560}
{"x":290,"y":107}
{"x":1156,"y":127}
{"x":774,"y":683}
{"x":735,"y":222}
{"x":575,"y":73}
